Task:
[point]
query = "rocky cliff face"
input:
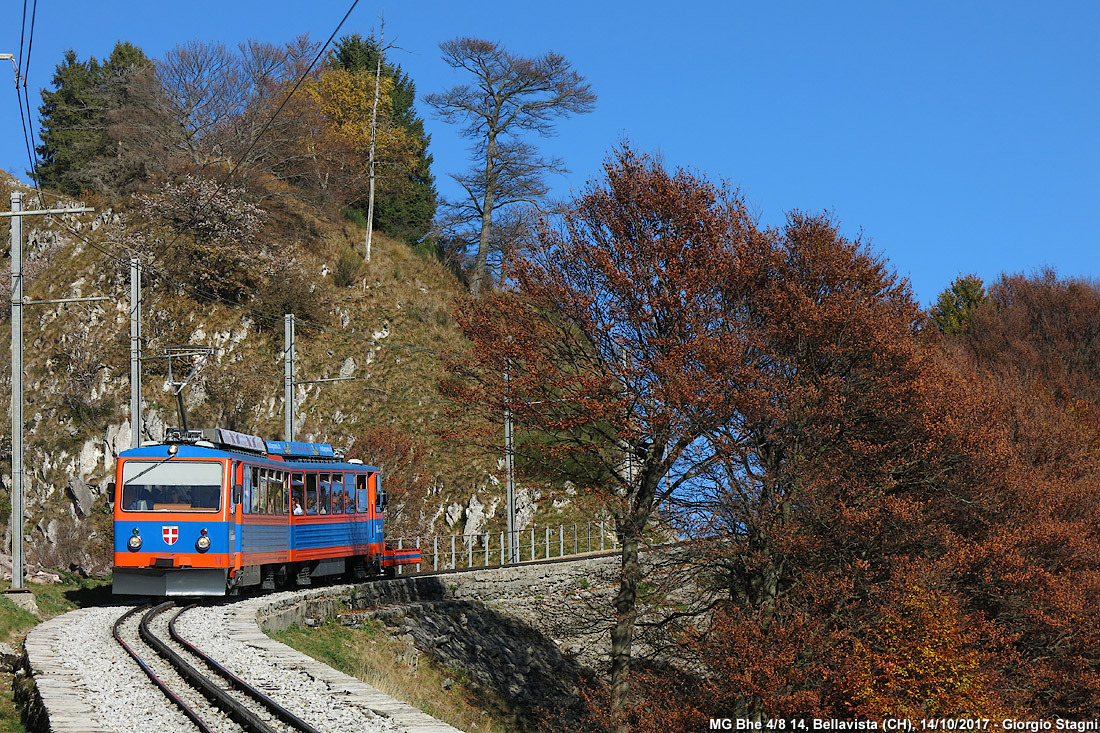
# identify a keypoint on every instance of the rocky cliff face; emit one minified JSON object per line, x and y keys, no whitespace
{"x":386,"y":331}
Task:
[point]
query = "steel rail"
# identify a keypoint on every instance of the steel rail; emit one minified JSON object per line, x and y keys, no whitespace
{"x":236,"y":682}
{"x":183,"y":706}
{"x":239,"y":713}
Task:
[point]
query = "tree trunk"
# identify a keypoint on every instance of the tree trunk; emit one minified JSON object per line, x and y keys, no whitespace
{"x":481,"y":263}
{"x":622,"y":635}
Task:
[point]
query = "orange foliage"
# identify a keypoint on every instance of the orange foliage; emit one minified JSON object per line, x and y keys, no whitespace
{"x":404,"y":477}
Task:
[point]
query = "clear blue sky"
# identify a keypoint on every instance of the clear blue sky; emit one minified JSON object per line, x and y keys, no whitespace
{"x":958,"y":137}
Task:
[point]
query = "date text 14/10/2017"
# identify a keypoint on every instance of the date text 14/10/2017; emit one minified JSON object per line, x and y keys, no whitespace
{"x":902,"y":724}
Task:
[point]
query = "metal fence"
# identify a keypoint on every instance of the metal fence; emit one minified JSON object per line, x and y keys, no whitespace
{"x":450,"y":552}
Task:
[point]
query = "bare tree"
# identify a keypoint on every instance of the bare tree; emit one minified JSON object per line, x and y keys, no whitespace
{"x":511,"y":95}
{"x":206,"y":105}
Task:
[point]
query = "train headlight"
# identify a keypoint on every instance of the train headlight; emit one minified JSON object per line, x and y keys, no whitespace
{"x":202,"y":544}
{"x":134,"y":543}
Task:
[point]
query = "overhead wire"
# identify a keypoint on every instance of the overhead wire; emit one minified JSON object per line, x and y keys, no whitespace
{"x":26,"y":41}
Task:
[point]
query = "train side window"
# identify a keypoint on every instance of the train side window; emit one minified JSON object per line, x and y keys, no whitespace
{"x":284,"y":480}
{"x":265,"y":492}
{"x":297,"y":494}
{"x":337,"y":493}
{"x":274,"y":499}
{"x":349,"y":493}
{"x":246,"y":499}
{"x":324,"y":496}
{"x":272,"y":492}
{"x":311,"y":493}
{"x":257,"y":491}
{"x":362,"y":497}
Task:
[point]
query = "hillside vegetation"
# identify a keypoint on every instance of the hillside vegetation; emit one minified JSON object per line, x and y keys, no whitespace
{"x":386,"y":325}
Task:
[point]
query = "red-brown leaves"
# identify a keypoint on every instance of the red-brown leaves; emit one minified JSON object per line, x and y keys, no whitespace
{"x":888,"y":501}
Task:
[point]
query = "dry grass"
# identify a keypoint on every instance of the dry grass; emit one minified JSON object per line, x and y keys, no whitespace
{"x":372,"y":654}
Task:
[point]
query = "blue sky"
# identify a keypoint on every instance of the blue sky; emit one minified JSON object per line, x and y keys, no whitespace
{"x":955,"y":137}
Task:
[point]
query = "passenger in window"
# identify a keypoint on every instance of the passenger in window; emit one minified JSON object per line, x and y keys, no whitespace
{"x":298,"y":508}
{"x":140,"y":502}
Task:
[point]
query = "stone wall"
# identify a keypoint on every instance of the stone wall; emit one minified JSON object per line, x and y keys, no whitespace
{"x":528,"y":638}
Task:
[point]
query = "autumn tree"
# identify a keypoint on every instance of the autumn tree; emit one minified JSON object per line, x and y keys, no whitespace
{"x":920,"y":659}
{"x":607,"y":350}
{"x":404,"y":476}
{"x":1031,"y":565}
{"x":510,"y":96}
{"x":344,"y":99}
{"x":766,"y":386}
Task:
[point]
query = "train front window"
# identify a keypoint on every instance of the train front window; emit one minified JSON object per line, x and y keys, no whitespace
{"x":171,"y":486}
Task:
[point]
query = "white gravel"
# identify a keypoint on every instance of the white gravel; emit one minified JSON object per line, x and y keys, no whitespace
{"x":85,"y":677}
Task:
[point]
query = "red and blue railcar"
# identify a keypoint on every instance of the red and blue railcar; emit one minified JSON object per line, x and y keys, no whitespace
{"x":211,"y":512}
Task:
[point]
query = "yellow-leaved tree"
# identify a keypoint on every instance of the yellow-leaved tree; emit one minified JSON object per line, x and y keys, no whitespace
{"x":920,"y":660}
{"x":345,"y":100}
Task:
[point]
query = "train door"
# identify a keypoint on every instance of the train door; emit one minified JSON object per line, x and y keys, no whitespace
{"x":377,"y":506}
{"x":236,"y":494}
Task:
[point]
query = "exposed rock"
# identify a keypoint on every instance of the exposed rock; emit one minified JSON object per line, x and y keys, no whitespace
{"x":44,"y":576}
{"x":348,"y":368}
{"x":117,"y":440}
{"x":454,"y":513}
{"x":90,"y":456}
{"x":9,"y":659}
{"x":476,"y":517}
{"x":83,"y":498}
{"x":52,"y":532}
{"x":153,"y":426}
{"x":526,"y":505}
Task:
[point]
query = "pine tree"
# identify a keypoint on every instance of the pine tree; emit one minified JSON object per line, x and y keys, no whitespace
{"x":955,"y":306}
{"x":78,"y":151}
{"x":73,"y":125}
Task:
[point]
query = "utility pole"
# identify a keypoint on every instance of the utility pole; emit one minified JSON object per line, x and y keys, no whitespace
{"x":17,"y":303}
{"x":288,"y":372}
{"x":16,"y":525}
{"x":288,"y":378}
{"x":135,"y":353}
{"x":510,"y":483}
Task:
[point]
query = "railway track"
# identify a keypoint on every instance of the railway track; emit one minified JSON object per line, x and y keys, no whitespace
{"x":90,"y":683}
{"x":211,"y":697}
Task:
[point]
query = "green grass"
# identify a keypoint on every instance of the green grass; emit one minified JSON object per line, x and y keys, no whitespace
{"x":53,"y":600}
{"x":374,"y":656}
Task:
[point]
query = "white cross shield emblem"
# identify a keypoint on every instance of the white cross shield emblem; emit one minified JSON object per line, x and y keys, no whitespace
{"x":170,"y":534}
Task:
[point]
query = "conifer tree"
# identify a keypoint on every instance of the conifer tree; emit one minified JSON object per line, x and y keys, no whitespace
{"x":78,"y":149}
